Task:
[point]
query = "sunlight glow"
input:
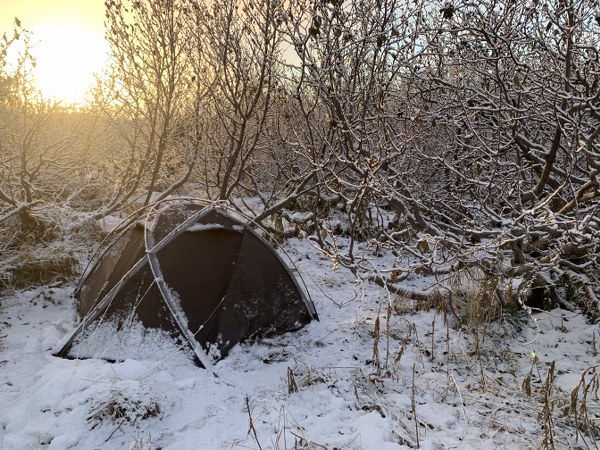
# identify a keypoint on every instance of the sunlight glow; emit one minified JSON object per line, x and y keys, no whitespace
{"x":68,"y":55}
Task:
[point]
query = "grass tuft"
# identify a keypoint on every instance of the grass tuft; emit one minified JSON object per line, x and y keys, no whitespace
{"x":30,"y":266}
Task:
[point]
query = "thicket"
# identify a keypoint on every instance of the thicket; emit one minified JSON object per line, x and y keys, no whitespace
{"x":462,"y":136}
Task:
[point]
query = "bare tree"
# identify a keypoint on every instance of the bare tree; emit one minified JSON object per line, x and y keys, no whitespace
{"x":241,"y":41}
{"x":509,"y":92}
{"x":145,"y":94}
{"x":349,"y":92}
{"x":41,"y":143}
{"x":476,"y":123}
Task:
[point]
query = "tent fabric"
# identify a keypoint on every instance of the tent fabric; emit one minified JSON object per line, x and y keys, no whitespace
{"x":198,"y":273}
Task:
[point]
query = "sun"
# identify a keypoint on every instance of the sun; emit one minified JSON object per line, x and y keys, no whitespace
{"x":68,"y":55}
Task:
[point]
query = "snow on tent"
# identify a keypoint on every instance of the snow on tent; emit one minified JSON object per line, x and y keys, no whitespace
{"x":193,"y":274}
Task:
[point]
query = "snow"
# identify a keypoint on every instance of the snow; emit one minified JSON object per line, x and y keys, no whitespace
{"x":113,"y":341}
{"x":437,"y":385}
{"x":197,"y":227}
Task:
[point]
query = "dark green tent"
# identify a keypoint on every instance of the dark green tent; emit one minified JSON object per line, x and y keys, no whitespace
{"x":197,"y":273}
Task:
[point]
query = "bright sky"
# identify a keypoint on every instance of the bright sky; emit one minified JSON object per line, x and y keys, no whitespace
{"x":70,"y":42}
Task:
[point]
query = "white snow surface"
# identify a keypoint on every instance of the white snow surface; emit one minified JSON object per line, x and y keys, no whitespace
{"x":438,"y":386}
{"x":204,"y":227}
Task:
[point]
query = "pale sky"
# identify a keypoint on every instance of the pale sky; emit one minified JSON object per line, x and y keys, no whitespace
{"x":71,"y":42}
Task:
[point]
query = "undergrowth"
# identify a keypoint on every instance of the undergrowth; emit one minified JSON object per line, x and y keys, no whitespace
{"x":36,"y":265}
{"x":125,"y":403}
{"x":37,"y":250}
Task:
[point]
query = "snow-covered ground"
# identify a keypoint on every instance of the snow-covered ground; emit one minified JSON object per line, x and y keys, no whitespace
{"x":426,"y":384}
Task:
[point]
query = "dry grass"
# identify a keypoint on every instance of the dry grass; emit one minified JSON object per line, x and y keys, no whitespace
{"x":122,"y":406}
{"x":31,"y":265}
{"x":436,"y":300}
{"x":26,"y":228}
{"x":472,"y":296}
{"x":475,"y":296}
{"x":34,"y":251}
{"x":584,"y":406}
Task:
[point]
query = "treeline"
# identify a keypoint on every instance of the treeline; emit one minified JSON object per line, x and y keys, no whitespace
{"x":475,"y":124}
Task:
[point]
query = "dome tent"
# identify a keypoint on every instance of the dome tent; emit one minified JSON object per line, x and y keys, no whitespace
{"x":198,"y":274}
